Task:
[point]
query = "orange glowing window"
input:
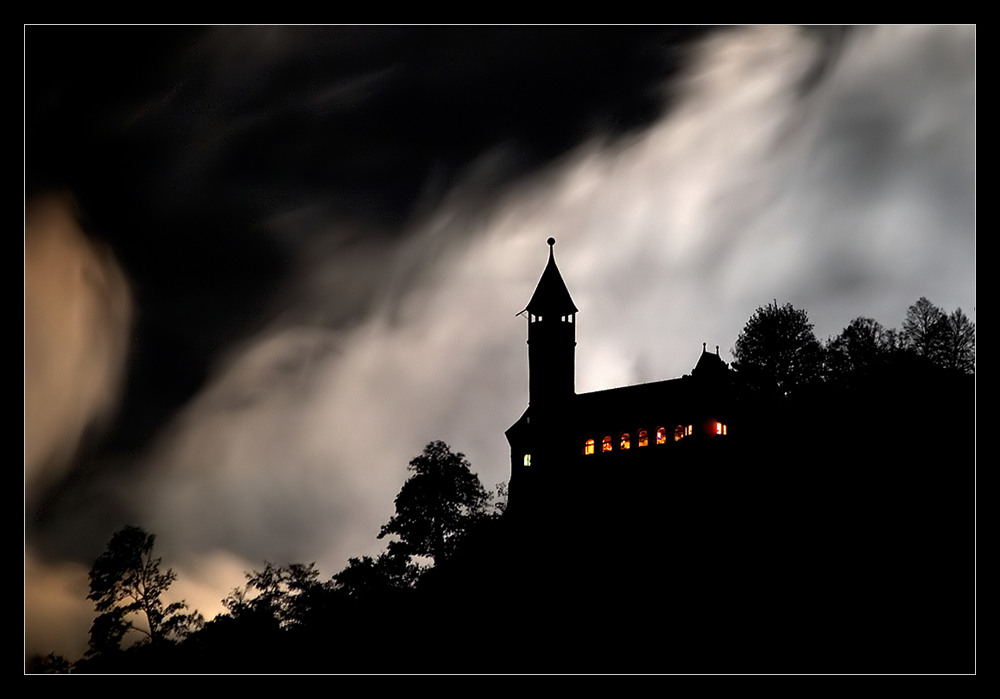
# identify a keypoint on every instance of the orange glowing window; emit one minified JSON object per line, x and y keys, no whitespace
{"x":643,"y":438}
{"x":626,"y":442}
{"x":606,"y":443}
{"x":588,"y":447}
{"x":678,"y":433}
{"x":720,"y":428}
{"x":661,"y":435}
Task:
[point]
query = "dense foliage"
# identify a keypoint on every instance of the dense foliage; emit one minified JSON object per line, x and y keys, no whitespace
{"x":438,"y":504}
{"x":778,"y":352}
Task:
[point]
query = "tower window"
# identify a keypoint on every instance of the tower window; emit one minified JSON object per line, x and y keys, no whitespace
{"x":626,"y":442}
{"x":720,"y":428}
{"x":661,"y":435}
{"x":606,"y":443}
{"x":643,"y":438}
{"x":527,"y":459}
{"x":588,"y":447}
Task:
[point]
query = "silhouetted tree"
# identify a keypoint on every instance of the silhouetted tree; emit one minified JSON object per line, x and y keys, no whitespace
{"x":947,"y":341}
{"x":438,"y":505}
{"x":923,"y":328}
{"x":777,"y":350}
{"x":860,"y":349}
{"x":286,"y":594}
{"x":50,"y":664}
{"x":126,"y":585}
{"x":369,"y":578}
{"x":958,"y":347}
{"x":500,"y":498}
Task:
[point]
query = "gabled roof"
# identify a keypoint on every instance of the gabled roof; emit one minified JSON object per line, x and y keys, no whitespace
{"x":710,"y":365}
{"x":551,"y":296}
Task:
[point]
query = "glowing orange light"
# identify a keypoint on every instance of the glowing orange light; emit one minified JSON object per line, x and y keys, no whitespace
{"x":606,"y":443}
{"x":626,"y":443}
{"x":588,"y":448}
{"x":643,"y":438}
{"x":661,"y":435}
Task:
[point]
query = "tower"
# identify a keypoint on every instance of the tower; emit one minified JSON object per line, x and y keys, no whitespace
{"x":551,"y":338}
{"x":539,"y":439}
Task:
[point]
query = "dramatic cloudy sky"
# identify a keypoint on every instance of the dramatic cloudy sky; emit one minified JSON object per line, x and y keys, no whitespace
{"x":265,"y":265}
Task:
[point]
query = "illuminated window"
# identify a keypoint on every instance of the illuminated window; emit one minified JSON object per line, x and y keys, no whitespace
{"x":643,"y":438}
{"x":527,"y":459}
{"x":661,"y":435}
{"x":588,"y":447}
{"x":720,"y":428}
{"x":606,"y":443}
{"x":626,"y":443}
{"x":678,"y":433}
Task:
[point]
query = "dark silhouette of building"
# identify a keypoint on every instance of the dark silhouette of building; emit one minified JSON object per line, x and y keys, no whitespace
{"x":563,"y":434}
{"x":695,"y":525}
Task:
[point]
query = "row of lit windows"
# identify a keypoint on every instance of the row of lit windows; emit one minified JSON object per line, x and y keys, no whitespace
{"x":532,"y":318}
{"x":625,"y":439}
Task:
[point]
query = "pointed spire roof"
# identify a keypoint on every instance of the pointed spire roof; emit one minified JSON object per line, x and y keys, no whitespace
{"x":551,"y":295}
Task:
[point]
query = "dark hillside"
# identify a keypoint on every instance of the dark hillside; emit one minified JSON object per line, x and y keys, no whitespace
{"x":833,"y":532}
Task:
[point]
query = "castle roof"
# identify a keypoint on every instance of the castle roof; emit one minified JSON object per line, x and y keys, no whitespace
{"x":710,"y":365}
{"x":551,"y":296}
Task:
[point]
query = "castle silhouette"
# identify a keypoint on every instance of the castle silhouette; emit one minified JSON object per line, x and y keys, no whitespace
{"x":693,"y":524}
{"x":629,"y":428}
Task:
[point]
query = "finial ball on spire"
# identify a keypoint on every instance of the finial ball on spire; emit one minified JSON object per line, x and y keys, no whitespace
{"x":551,"y":241}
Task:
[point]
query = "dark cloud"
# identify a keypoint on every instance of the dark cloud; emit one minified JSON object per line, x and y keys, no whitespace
{"x":199,"y":149}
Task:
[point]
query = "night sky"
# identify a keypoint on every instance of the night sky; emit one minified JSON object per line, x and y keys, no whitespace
{"x":264,"y":266}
